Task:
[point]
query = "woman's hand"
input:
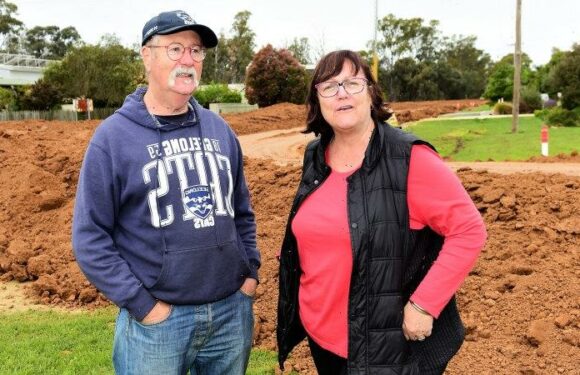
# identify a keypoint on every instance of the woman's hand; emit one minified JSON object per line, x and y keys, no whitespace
{"x":417,"y":325}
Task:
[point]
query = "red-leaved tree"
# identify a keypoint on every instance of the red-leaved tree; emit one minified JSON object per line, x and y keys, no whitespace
{"x":275,"y":76}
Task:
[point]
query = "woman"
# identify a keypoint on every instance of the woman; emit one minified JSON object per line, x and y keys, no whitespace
{"x":380,"y":236}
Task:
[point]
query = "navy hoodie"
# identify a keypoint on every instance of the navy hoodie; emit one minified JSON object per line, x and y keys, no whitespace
{"x":163,"y":212}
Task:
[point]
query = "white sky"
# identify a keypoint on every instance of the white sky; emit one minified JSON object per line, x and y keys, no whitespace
{"x":328,"y":24}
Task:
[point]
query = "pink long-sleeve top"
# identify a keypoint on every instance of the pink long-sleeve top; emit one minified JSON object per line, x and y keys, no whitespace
{"x":435,"y":198}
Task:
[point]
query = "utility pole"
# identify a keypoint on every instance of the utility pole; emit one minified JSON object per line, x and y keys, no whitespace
{"x":375,"y":66}
{"x":517,"y":68}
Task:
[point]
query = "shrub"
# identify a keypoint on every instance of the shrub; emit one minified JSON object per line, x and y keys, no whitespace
{"x":502,"y":108}
{"x":530,"y":100}
{"x":562,"y":117}
{"x":41,"y":96}
{"x":216,"y":93}
{"x":275,"y":76}
{"x":7,"y":99}
{"x":541,"y":113}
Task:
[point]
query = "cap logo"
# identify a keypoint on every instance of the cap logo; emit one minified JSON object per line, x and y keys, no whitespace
{"x":187,"y":20}
{"x":154,"y":28}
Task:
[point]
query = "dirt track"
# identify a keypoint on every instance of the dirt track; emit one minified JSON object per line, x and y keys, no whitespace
{"x":520,"y":304}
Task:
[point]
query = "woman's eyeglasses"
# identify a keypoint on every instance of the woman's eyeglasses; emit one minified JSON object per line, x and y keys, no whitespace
{"x":352,"y":86}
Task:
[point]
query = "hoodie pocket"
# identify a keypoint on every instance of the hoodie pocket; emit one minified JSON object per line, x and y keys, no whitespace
{"x":201,"y":275}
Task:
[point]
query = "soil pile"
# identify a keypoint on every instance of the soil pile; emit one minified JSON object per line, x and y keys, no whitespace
{"x":288,"y":116}
{"x":520,"y":303}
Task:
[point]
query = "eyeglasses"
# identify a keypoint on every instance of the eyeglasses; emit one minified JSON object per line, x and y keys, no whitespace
{"x":352,"y":86}
{"x":175,"y":51}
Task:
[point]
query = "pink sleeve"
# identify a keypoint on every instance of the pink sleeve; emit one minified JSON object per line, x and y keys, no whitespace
{"x":437,"y":199}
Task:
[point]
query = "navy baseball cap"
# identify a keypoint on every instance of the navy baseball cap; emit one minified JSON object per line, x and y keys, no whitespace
{"x":177,"y":20}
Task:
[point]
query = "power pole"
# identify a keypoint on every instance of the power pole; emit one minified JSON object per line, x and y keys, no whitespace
{"x":517,"y":68}
{"x":375,"y":65}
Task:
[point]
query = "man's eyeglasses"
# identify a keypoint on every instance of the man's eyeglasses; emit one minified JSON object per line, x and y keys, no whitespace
{"x":175,"y":51}
{"x":330,"y":88}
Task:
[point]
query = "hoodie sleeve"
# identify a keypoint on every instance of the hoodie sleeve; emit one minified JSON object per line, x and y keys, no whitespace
{"x":244,"y":215}
{"x":94,"y":219}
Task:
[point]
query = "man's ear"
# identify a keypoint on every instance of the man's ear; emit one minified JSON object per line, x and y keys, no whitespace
{"x":146,"y":56}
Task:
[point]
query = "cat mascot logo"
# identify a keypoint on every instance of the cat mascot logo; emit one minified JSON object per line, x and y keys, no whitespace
{"x":198,"y":200}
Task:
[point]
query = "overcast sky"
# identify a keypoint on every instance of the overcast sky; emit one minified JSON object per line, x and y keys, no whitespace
{"x":328,"y":24}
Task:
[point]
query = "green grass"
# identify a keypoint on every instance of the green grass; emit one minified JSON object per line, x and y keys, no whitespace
{"x":491,"y":138}
{"x":49,"y":342}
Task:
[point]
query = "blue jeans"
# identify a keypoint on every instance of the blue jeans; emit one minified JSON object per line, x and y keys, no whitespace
{"x":210,"y":339}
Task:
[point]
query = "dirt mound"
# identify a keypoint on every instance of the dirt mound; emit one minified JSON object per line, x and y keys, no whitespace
{"x":414,"y":111}
{"x":275,"y":117}
{"x":519,"y":304}
{"x":288,"y":116}
{"x":574,"y":157}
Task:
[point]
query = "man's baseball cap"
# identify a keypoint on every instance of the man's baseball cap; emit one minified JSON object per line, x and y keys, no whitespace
{"x":177,"y":20}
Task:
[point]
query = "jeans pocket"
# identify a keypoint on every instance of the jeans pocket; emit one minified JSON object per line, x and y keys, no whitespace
{"x":153,"y":324}
{"x":246,"y":295}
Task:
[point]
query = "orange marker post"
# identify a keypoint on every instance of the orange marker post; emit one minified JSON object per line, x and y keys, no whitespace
{"x":544,"y":138}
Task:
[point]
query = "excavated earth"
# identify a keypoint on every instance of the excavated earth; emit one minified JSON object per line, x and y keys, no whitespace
{"x":520,"y":304}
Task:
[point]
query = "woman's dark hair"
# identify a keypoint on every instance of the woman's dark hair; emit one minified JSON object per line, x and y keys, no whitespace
{"x":328,"y":67}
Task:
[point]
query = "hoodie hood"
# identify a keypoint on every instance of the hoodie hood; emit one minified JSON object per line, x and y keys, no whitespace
{"x":135,"y":110}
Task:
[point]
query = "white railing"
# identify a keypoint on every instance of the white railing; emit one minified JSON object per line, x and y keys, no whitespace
{"x":23,"y":60}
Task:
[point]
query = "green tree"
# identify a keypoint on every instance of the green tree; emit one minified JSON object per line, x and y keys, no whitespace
{"x":405,"y":38}
{"x":241,"y":46}
{"x":275,"y":76}
{"x":227,"y":62}
{"x":216,"y":66}
{"x":7,"y":99}
{"x":501,"y":79}
{"x":300,"y":49}
{"x":470,"y":63}
{"x":543,"y":72}
{"x":104,"y":73}
{"x":9,"y":25}
{"x":51,"y":42}
{"x":565,"y":78}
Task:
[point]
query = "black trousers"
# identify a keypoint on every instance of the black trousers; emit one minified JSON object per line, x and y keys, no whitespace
{"x":327,"y":363}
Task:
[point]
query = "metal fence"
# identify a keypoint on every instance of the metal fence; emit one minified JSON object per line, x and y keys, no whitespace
{"x":97,"y":114}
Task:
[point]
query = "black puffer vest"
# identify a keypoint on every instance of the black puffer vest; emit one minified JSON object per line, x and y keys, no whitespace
{"x":389,"y":261}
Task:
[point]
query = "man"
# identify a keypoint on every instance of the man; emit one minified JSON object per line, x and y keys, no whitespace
{"x":163,"y":224}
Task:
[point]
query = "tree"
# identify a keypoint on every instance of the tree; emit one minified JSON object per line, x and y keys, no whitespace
{"x":216,"y":66}
{"x":565,"y":78}
{"x":105,"y":74}
{"x":228,"y":61}
{"x":241,"y":46}
{"x":405,"y":38}
{"x":9,"y":25}
{"x":300,"y":49}
{"x":501,"y":79}
{"x":470,"y":63}
{"x":275,"y":76}
{"x":7,"y":99}
{"x":42,"y":96}
{"x":50,"y":42}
